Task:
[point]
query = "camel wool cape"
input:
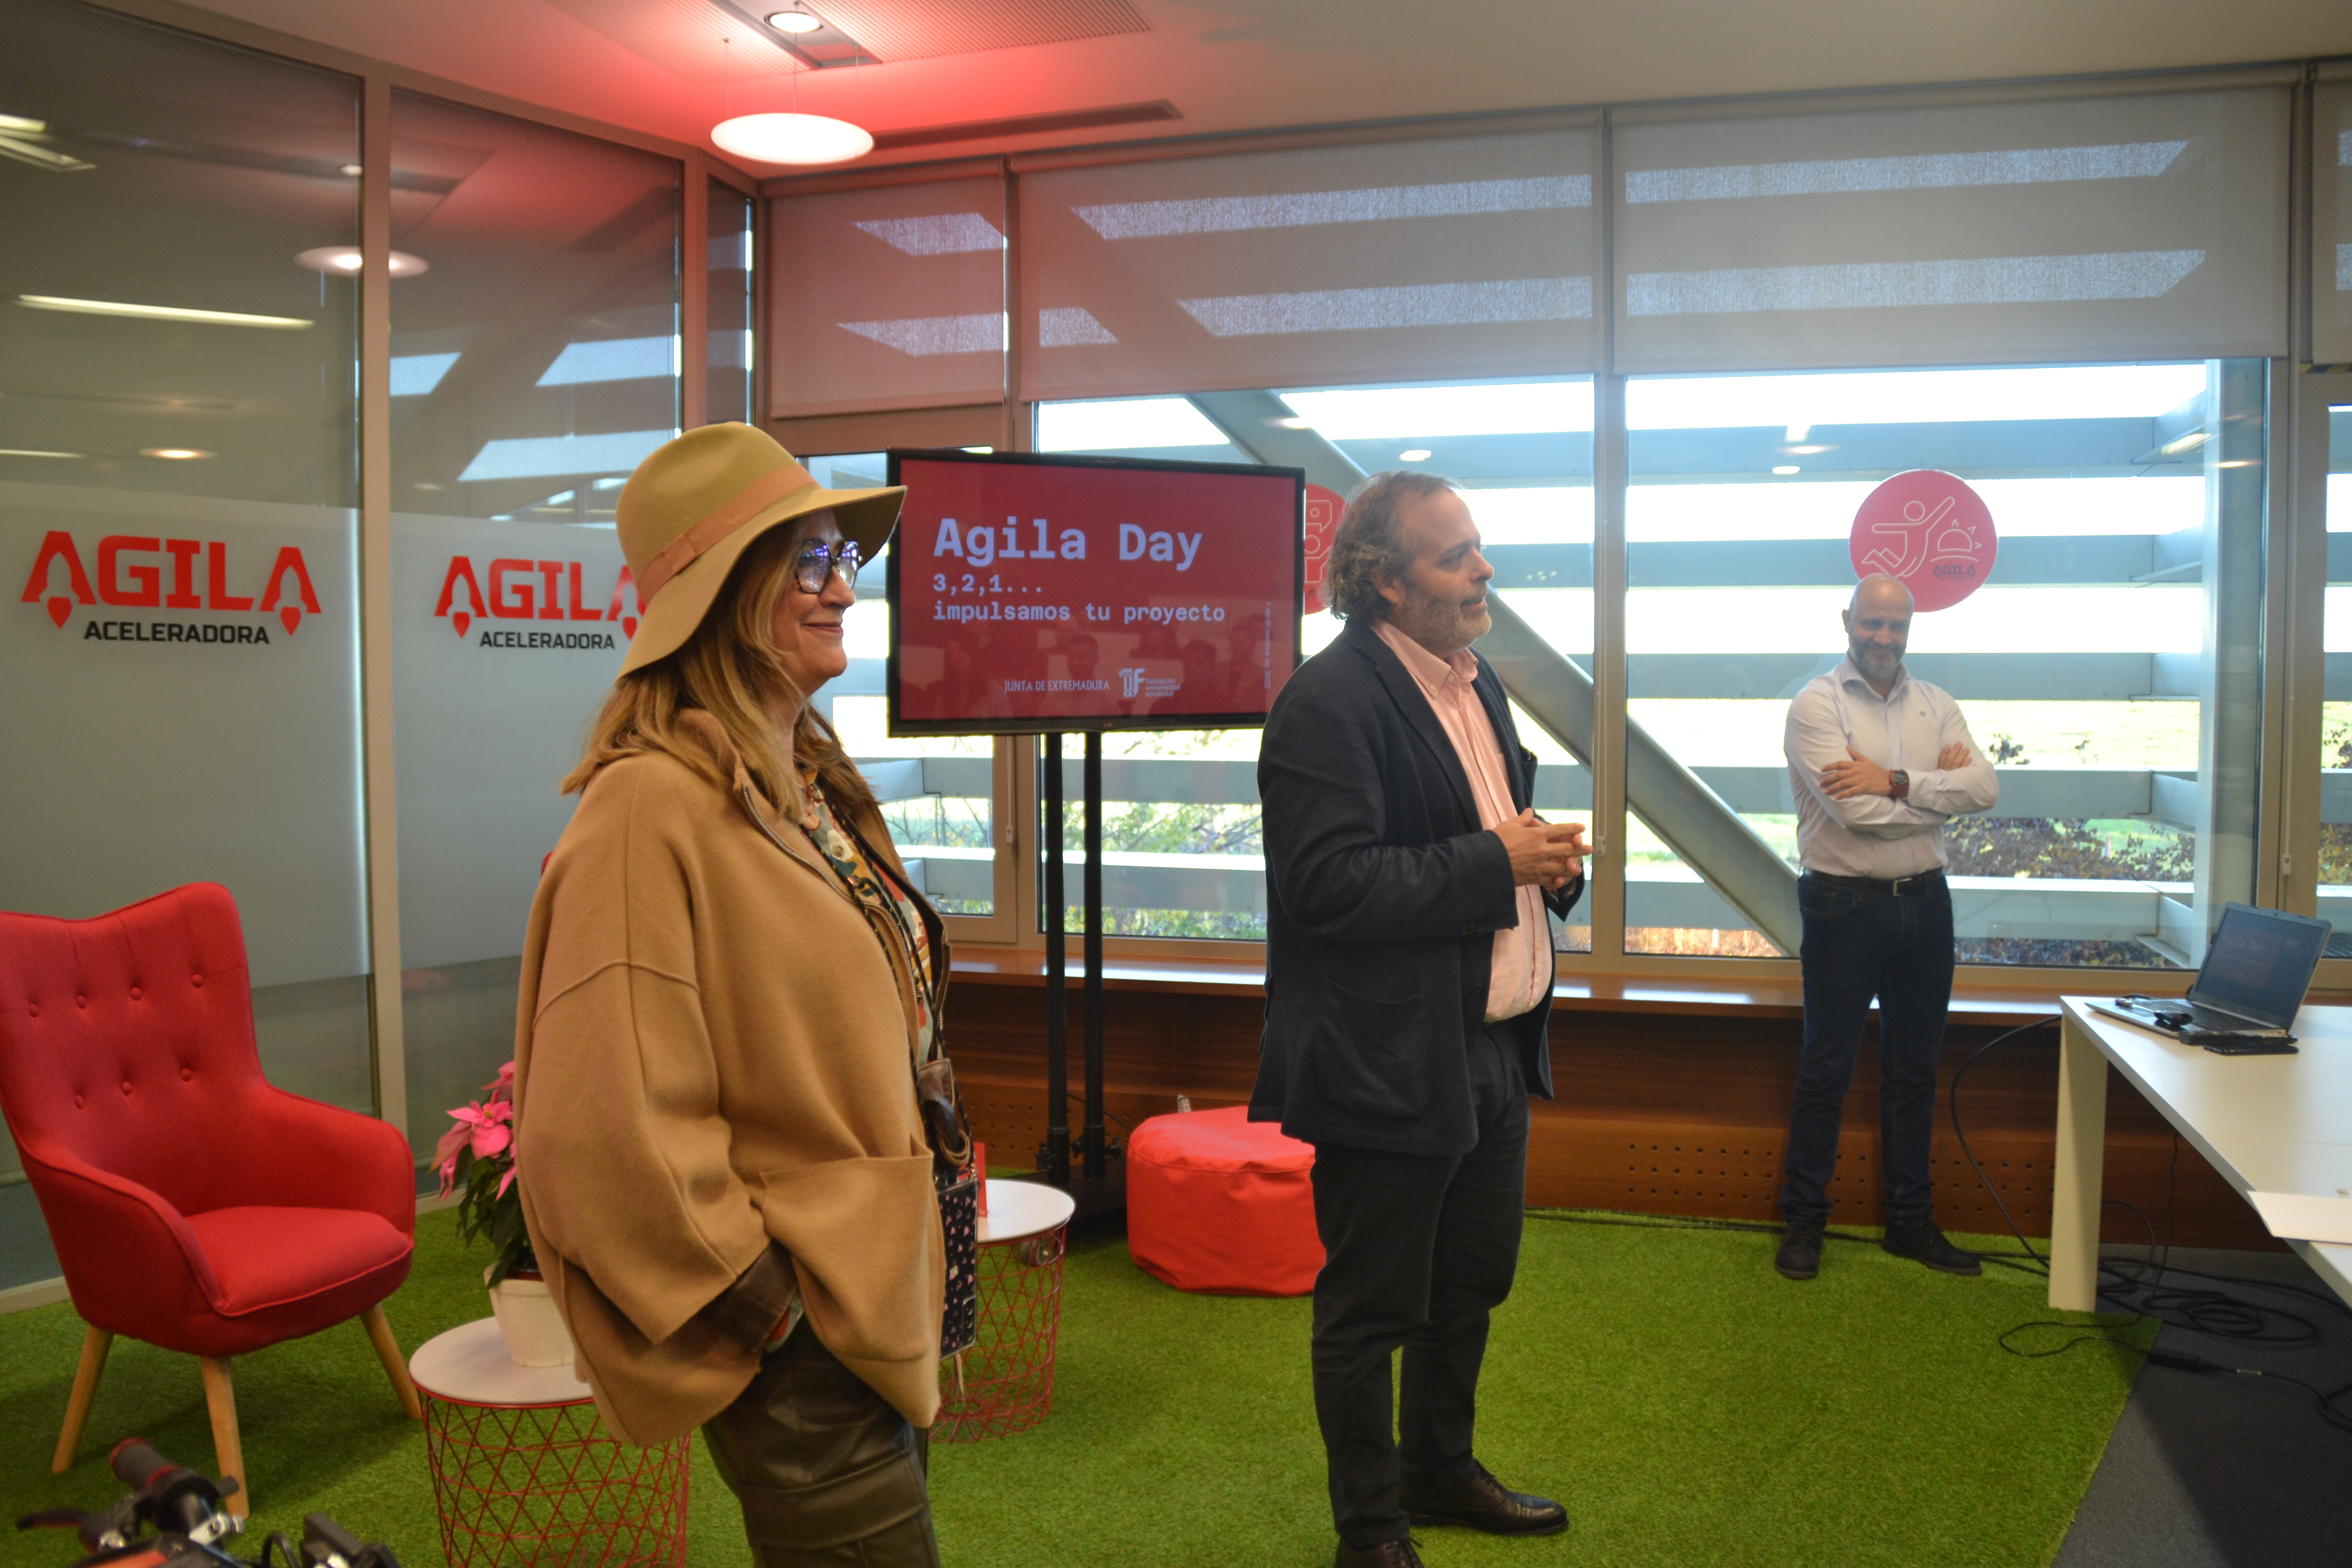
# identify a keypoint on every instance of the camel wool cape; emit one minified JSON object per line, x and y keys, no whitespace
{"x":712,"y":1053}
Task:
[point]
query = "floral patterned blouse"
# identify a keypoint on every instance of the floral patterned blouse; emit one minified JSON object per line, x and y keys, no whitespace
{"x":878,"y":891}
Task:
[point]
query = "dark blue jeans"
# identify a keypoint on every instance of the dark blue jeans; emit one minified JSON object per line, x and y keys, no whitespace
{"x":1858,"y":946}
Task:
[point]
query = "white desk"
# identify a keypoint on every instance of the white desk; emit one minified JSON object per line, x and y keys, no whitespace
{"x":2276,"y":1124}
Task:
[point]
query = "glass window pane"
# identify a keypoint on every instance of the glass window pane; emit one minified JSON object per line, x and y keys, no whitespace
{"x":1182,"y":851}
{"x":178,"y":442}
{"x":533,"y":364}
{"x":729,"y":344}
{"x":938,"y":792}
{"x":2109,"y":659}
{"x":2336,"y":733}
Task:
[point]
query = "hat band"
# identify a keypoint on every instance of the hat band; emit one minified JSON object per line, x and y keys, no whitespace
{"x":752,"y":499}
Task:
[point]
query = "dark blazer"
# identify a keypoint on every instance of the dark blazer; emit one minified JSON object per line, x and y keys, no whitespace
{"x":1383,"y":896}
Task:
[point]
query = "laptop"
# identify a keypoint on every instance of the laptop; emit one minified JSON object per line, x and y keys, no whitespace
{"x":2256,"y":970}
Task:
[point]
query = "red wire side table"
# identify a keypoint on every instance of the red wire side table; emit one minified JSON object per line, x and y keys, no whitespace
{"x":523,"y":1473}
{"x":1005,"y":1384}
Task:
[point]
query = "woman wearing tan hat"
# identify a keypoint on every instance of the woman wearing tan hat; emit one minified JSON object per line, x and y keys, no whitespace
{"x":727,"y":984}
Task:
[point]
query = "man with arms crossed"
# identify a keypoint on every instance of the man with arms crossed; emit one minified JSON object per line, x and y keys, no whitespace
{"x":1878,"y":762}
{"x":1409,"y":973}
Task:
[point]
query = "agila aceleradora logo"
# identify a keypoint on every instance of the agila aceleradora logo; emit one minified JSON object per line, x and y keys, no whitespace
{"x":137,"y":572}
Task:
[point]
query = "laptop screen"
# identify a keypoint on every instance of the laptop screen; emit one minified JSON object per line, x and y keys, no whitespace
{"x":2260,"y":964}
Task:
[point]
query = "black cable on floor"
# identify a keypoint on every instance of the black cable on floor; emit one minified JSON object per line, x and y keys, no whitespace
{"x":2139,"y":1286}
{"x":1969,"y":1154}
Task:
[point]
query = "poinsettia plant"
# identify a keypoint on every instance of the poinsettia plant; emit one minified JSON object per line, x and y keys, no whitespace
{"x":476,"y":1159}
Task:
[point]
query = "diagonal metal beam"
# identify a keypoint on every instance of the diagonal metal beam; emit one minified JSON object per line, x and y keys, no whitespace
{"x":1557,"y":694}
{"x":1675,"y":802}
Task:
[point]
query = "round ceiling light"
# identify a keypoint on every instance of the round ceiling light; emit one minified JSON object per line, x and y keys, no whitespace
{"x":793,"y":21}
{"x":343,"y":260}
{"x":791,"y":138}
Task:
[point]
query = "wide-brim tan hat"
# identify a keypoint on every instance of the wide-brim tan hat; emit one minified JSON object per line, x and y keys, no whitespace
{"x":692,"y":508}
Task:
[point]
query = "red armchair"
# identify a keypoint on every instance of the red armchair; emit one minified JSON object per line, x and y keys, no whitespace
{"x":192,"y":1205}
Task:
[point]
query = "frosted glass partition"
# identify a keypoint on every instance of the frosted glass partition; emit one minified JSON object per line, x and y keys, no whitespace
{"x":539,"y":353}
{"x":533,"y":366}
{"x":2114,"y":226}
{"x":889,"y":298}
{"x":506,"y":638}
{"x":177,"y":449}
{"x":1444,"y":257}
{"x":2331,"y":223}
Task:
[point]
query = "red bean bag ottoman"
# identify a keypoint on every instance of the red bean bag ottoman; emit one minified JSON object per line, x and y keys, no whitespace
{"x":1218,"y":1202}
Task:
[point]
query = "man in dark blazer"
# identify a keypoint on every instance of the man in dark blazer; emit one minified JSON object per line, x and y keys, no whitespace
{"x":1409,"y":974}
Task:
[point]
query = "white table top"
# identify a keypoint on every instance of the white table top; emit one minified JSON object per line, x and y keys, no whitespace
{"x":2273,"y":1124}
{"x":1021,"y":1209}
{"x":469,"y":1365}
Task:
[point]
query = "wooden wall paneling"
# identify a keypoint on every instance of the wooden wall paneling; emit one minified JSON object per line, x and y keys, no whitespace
{"x":1656,"y":1113}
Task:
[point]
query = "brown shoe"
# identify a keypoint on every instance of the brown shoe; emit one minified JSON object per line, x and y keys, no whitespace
{"x":1387,"y":1554}
{"x":1477,"y":1500}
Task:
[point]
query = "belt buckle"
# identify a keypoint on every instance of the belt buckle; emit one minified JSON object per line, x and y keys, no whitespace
{"x":1905,"y":887}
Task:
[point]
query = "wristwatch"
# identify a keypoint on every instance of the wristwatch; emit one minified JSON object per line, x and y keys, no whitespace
{"x":1898,"y":785}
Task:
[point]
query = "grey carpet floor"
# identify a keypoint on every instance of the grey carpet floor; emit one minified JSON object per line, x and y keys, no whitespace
{"x":2213,"y":1470}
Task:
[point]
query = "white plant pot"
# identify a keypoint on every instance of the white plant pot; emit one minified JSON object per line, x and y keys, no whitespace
{"x":527,"y":1317}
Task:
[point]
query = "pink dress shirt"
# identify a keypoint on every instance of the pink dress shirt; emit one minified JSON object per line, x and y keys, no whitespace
{"x":1523,"y":962}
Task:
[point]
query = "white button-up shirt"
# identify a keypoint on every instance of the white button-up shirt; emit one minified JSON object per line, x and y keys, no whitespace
{"x":1869,"y":834}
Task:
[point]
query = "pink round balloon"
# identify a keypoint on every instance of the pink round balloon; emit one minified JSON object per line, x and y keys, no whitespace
{"x":1929,"y":531}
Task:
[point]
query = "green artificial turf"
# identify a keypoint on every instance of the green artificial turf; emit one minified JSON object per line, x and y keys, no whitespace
{"x":1688,"y":1405}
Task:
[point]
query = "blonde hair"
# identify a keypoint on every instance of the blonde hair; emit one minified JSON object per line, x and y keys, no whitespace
{"x":725,"y":669}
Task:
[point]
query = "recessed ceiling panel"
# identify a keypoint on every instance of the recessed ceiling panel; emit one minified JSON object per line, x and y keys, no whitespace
{"x":918,"y":29}
{"x":704,"y":43}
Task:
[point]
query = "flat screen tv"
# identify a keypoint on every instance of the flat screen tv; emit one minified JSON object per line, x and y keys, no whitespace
{"x":1040,"y":593}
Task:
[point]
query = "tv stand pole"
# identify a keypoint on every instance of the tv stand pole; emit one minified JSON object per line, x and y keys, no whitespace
{"x":1054,"y":1159}
{"x":1092,"y":1149}
{"x":1094,"y":1180}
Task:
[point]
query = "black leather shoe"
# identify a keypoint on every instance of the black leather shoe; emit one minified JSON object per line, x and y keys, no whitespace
{"x":1387,"y":1554}
{"x":1481,"y":1502}
{"x":1920,"y":1240}
{"x":1799,"y":1256}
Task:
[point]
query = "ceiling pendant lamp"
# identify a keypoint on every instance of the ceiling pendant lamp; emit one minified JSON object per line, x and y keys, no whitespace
{"x":792,"y":139}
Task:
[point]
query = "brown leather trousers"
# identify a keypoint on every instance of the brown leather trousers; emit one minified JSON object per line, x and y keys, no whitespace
{"x":829,"y":1475}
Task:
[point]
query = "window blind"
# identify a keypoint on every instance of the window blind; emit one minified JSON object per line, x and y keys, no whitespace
{"x":1451,"y":257}
{"x":2119,"y":225}
{"x":2331,"y":223}
{"x":888,"y":298}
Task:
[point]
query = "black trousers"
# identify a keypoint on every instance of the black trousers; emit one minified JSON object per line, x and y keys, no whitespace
{"x":829,"y":1474}
{"x":1418,"y":1249}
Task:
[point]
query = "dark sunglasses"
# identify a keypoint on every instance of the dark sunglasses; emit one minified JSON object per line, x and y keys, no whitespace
{"x":816,"y":560}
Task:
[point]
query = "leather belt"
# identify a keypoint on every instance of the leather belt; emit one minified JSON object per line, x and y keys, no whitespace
{"x":1919,"y":884}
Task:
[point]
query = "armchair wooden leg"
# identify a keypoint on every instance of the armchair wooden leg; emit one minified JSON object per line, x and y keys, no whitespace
{"x":95,"y":1343}
{"x":387,"y":1349}
{"x":228,"y":1451}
